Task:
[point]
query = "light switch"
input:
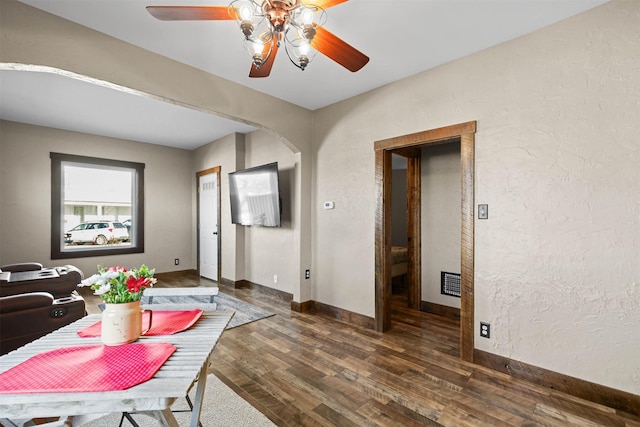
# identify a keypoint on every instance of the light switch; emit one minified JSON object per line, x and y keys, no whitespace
{"x":329,"y":205}
{"x":483,"y":211}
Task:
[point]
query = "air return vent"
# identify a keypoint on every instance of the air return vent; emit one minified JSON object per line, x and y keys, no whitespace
{"x":450,"y":284}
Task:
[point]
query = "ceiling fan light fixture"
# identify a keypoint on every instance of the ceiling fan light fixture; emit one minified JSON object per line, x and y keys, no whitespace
{"x":273,"y":23}
{"x":278,"y":21}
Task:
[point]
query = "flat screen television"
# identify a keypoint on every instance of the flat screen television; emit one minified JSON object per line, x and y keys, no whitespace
{"x":255,"y":196}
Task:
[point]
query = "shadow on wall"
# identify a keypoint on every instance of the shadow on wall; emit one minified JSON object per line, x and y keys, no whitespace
{"x":286,"y":181}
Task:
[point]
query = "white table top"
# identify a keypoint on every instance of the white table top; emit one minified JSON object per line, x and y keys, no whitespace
{"x":172,"y":381}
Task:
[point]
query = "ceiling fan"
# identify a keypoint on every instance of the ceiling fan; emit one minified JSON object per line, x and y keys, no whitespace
{"x":269,"y":24}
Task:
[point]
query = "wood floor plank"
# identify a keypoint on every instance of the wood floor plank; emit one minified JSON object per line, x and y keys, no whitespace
{"x":558,"y":417}
{"x":577,"y":415}
{"x":488,"y":414}
{"x":493,"y":396}
{"x":335,"y":417}
{"x":330,"y":398}
{"x":406,"y":413}
{"x":381,"y":414}
{"x":429,"y":405}
{"x":459,"y":416}
{"x":331,"y":364}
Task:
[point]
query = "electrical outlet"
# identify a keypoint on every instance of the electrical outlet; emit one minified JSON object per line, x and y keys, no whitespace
{"x":176,"y":261}
{"x":485,"y":330}
{"x":275,"y":278}
{"x":307,"y":274}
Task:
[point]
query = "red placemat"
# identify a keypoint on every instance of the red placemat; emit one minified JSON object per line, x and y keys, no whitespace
{"x":87,"y":368}
{"x":163,"y":323}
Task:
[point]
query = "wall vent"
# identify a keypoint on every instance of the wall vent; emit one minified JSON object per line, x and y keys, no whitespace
{"x":450,"y":284}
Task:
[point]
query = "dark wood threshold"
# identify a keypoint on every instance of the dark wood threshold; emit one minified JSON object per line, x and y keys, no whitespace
{"x":593,"y":392}
{"x":440,"y":310}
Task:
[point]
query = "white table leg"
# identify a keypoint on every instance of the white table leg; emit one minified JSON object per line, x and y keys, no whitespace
{"x":200,"y":387}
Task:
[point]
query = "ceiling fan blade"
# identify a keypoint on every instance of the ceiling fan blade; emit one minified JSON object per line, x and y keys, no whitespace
{"x":340,"y":51}
{"x":265,"y":69}
{"x":325,"y":4}
{"x":190,"y":13}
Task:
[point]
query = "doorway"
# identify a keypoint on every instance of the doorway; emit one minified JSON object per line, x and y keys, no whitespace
{"x":208,"y":182}
{"x":409,"y":146}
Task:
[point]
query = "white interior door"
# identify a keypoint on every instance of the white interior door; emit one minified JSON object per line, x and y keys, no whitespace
{"x":208,"y":231}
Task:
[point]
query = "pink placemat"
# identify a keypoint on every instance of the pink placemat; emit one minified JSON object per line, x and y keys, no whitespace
{"x":87,"y":368}
{"x":163,"y":323}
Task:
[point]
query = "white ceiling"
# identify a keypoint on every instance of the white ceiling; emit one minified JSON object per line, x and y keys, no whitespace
{"x":402,"y":38}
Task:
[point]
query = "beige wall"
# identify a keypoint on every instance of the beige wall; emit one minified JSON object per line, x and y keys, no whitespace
{"x":557,"y":263}
{"x":343,"y":173}
{"x":25,"y":211}
{"x":441,"y":213}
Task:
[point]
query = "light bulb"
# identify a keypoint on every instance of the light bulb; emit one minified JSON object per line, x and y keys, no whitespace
{"x":307,"y":16}
{"x":258,"y":48}
{"x":304,"y":49}
{"x":245,"y":13}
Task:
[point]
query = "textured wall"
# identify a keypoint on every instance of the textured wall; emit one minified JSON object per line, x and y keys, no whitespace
{"x":343,"y":173}
{"x":557,"y":264}
{"x":558,"y":261}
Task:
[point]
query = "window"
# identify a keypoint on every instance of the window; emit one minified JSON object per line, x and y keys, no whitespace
{"x":97,"y":206}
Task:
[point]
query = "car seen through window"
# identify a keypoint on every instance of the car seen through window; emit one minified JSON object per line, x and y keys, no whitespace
{"x":97,"y":233}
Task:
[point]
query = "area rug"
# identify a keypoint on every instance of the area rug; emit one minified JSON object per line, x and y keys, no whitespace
{"x":221,"y":407}
{"x":245,"y":312}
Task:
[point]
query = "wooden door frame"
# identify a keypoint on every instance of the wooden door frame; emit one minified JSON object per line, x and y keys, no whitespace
{"x":406,"y":145}
{"x":215,"y":170}
{"x":414,"y":226}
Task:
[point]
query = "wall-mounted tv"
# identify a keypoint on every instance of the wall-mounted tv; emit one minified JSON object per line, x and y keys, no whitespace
{"x":255,"y":196}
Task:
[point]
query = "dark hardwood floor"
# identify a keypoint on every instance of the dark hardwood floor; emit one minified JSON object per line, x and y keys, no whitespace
{"x":310,"y":370}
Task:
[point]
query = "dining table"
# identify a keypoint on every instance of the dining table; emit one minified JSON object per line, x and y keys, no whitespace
{"x":184,"y":368}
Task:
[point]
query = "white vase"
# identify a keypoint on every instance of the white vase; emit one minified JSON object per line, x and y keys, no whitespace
{"x":122,"y":323}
